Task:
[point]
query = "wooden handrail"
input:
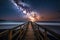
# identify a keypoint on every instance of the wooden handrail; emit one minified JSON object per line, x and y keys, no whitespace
{"x":24,"y":31}
{"x":57,"y":36}
{"x":10,"y":31}
{"x":17,"y":26}
{"x":15,"y":34}
{"x":37,"y":34}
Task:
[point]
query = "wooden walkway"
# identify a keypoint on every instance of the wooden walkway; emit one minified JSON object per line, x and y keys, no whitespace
{"x":27,"y":31}
{"x":30,"y":33}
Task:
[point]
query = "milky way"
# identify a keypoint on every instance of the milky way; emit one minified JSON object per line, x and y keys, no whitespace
{"x":29,"y":14}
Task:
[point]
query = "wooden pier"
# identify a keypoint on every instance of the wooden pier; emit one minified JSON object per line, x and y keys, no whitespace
{"x":28,"y":31}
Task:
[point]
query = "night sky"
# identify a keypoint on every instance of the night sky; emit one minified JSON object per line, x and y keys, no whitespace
{"x":48,"y":10}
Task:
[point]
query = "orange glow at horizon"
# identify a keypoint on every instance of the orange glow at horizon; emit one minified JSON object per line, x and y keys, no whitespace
{"x":34,"y":17}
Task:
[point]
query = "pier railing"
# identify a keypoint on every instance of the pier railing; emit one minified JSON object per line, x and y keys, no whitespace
{"x":44,"y":35}
{"x":12,"y":33}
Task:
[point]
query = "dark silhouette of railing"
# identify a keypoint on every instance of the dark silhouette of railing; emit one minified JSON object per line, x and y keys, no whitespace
{"x":10,"y":32}
{"x":44,"y":35}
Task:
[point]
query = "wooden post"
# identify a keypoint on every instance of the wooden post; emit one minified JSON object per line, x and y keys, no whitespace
{"x":38,"y":28}
{"x":10,"y":35}
{"x":45,"y":35}
{"x":20,"y":33}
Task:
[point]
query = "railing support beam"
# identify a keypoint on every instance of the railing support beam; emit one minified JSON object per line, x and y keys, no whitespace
{"x":10,"y":35}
